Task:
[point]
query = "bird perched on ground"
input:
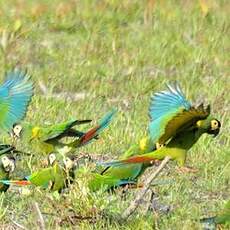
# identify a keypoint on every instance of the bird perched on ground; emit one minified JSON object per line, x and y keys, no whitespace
{"x":222,"y":218}
{"x":7,"y":166}
{"x":52,"y":178}
{"x":175,"y":127}
{"x":58,"y":176}
{"x":51,"y":138}
{"x":15,"y":95}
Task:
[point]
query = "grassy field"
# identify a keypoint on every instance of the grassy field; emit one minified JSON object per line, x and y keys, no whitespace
{"x":115,"y":54}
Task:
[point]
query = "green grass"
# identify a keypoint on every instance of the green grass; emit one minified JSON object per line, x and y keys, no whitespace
{"x":110,"y":52}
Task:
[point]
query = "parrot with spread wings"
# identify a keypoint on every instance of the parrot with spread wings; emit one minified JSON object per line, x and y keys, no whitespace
{"x":15,"y":95}
{"x":51,"y":138}
{"x":174,"y":128}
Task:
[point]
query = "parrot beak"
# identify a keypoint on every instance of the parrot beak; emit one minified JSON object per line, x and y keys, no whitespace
{"x":214,"y":132}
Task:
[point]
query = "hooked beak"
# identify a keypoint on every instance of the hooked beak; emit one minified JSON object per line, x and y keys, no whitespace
{"x":214,"y":132}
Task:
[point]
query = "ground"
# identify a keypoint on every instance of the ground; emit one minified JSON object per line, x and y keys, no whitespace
{"x":91,"y":56}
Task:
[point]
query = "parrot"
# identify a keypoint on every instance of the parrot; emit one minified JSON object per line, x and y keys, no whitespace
{"x":52,"y":178}
{"x":58,"y":176}
{"x":98,"y":182}
{"x":15,"y":95}
{"x":7,"y":166}
{"x":222,"y":218}
{"x":175,"y":126}
{"x":50,"y":138}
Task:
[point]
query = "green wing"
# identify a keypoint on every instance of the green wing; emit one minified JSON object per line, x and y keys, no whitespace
{"x":59,"y":130}
{"x":183,"y":121}
{"x":42,"y":177}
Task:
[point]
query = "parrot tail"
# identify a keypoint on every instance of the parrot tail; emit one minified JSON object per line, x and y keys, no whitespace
{"x":94,"y":132}
{"x":131,"y":160}
{"x":15,"y":182}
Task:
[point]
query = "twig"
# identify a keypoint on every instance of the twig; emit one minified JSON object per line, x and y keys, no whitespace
{"x":17,"y":224}
{"x":135,"y":203}
{"x":41,"y":222}
{"x":68,"y":96}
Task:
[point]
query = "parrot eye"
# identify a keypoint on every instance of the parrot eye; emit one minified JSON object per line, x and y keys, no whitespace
{"x":215,"y":124}
{"x":158,"y":145}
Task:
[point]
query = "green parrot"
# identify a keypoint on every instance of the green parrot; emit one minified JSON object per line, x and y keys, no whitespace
{"x":7,"y":166}
{"x":174,"y":128}
{"x":95,"y":181}
{"x":58,"y":176}
{"x":52,"y":178}
{"x":51,"y":138}
{"x":15,"y":95}
{"x":98,"y":182}
{"x":222,"y":218}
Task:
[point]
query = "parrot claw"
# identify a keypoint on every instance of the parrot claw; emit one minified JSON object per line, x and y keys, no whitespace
{"x":186,"y":170}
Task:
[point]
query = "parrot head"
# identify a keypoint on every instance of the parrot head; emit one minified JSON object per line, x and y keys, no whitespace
{"x":70,"y":162}
{"x":210,"y":125}
{"x":8,"y":163}
{"x":26,"y":130}
{"x":16,"y":131}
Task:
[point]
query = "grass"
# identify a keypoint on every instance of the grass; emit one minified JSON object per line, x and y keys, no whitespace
{"x":117,"y":53}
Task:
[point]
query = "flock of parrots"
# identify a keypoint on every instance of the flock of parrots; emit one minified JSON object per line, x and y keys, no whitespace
{"x":175,"y":126}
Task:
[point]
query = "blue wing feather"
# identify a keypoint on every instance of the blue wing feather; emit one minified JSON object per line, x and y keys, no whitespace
{"x":105,"y":121}
{"x":15,"y":95}
{"x":163,"y":106}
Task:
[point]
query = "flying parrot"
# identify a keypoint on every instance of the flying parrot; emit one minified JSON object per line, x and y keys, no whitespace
{"x":222,"y":218}
{"x":175,"y":127}
{"x":15,"y":95}
{"x":50,"y":138}
{"x":7,"y":166}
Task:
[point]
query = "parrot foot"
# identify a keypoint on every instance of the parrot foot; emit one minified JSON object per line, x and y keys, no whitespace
{"x":186,"y":170}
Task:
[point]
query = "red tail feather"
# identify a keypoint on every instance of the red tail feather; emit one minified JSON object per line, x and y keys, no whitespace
{"x":139,"y":159}
{"x":22,"y":182}
{"x":89,"y":135}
